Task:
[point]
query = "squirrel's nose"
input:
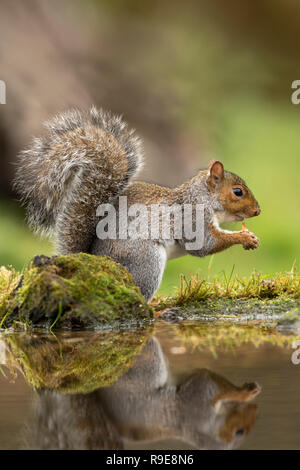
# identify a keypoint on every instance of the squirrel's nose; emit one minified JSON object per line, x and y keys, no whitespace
{"x":256,"y":212}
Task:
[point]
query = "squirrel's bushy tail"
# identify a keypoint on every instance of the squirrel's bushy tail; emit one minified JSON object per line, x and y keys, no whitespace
{"x":86,"y":159}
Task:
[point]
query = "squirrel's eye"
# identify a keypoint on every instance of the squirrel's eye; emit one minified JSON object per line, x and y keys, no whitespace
{"x":239,"y":432}
{"x":237,"y":192}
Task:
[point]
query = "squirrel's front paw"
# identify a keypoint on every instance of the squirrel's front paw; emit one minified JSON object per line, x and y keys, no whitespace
{"x":251,"y":389}
{"x":249,"y":240}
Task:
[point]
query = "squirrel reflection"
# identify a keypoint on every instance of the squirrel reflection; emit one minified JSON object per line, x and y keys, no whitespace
{"x":205,"y":410}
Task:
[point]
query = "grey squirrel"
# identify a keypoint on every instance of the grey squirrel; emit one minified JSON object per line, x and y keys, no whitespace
{"x":91,"y":158}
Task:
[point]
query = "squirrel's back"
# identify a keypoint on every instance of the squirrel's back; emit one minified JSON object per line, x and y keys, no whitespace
{"x":85,"y":159}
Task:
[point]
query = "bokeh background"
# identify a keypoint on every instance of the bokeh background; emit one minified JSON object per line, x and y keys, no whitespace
{"x":198,"y":80}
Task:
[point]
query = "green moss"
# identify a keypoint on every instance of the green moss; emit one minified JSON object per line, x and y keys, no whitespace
{"x":195,"y":291}
{"x":235,"y":309}
{"x":79,"y":363}
{"x":9,"y":281}
{"x":79,"y":290}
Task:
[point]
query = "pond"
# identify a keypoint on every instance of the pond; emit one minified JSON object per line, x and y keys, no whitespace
{"x":187,"y":385}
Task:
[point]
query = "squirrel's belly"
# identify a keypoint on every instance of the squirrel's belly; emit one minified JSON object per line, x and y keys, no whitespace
{"x":174,"y":250}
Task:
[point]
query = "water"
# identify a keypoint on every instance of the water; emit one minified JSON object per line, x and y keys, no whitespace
{"x":173,"y":386}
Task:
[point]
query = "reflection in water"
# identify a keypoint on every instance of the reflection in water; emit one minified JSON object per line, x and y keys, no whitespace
{"x":143,"y":404}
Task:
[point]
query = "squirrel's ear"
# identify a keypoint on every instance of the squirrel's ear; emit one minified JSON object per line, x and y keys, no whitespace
{"x":216,"y":172}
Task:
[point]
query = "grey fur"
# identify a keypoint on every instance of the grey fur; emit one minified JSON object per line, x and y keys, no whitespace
{"x":49,"y":182}
{"x":144,"y":259}
{"x":198,"y":193}
{"x":90,"y":158}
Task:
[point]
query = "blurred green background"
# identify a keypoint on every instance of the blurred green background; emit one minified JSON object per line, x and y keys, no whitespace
{"x":198,"y":80}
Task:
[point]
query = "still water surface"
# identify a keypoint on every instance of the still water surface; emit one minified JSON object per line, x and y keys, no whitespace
{"x":180,"y":386}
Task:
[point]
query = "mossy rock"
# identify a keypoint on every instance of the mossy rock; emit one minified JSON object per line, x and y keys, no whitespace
{"x":73,"y":363}
{"x":74,"y":291}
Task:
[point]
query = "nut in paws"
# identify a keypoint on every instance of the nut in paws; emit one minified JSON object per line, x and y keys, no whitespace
{"x":249,"y":240}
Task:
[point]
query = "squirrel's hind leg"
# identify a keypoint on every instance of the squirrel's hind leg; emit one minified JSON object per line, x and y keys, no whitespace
{"x":144,"y":259}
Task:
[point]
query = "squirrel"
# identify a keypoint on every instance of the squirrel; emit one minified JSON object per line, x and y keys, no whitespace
{"x":89,"y":158}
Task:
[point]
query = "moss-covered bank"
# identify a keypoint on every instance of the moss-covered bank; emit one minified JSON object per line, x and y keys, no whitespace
{"x":255,"y":295}
{"x":74,"y":291}
{"x":267,"y":310}
{"x":85,"y":291}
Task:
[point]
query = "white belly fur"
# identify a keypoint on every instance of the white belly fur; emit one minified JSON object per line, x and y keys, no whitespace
{"x":173,"y":250}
